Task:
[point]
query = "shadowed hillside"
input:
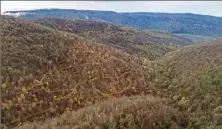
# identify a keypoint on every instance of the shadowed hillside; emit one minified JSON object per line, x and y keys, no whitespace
{"x":192,"y":78}
{"x":150,"y":44}
{"x":195,"y":38}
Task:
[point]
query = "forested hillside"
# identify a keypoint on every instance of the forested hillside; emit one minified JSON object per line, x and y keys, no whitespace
{"x":150,"y":44}
{"x":46,"y":72}
{"x":63,"y":73}
{"x":192,"y":78}
{"x":171,"y":23}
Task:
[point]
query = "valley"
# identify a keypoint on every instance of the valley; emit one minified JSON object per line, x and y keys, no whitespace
{"x":85,"y":73}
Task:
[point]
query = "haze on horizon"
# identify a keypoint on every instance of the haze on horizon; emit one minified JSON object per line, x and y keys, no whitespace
{"x":196,"y":7}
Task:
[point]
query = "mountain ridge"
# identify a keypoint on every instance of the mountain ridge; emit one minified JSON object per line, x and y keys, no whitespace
{"x":182,"y":23}
{"x":107,"y":11}
{"x":151,"y":44}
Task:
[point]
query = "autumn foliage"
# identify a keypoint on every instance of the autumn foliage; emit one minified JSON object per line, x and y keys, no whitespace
{"x":54,"y":78}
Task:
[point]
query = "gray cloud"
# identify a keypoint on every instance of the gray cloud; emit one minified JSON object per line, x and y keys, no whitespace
{"x":197,"y":7}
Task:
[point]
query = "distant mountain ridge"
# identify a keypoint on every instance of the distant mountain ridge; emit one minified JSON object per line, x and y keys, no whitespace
{"x":176,"y":23}
{"x":151,"y":44}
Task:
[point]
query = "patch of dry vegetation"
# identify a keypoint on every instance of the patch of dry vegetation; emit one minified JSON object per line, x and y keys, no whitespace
{"x":149,"y":44}
{"x":137,"y":112}
{"x":192,"y":78}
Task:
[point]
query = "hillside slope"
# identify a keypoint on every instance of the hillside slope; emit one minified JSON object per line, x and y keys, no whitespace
{"x":149,"y":44}
{"x":46,"y":72}
{"x":172,"y":23}
{"x":192,"y":78}
{"x":137,"y":112}
{"x":195,"y":38}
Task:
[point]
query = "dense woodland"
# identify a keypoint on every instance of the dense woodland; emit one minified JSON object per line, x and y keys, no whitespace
{"x":60,"y":73}
{"x":150,"y":44}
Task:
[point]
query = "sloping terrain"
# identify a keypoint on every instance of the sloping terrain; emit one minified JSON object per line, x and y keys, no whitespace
{"x":195,"y":38}
{"x":137,"y":112}
{"x":149,"y":44}
{"x":46,"y":72}
{"x":192,"y":78}
{"x":173,"y":23}
{"x":49,"y":73}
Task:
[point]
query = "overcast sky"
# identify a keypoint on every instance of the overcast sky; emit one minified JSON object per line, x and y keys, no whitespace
{"x":198,"y":7}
